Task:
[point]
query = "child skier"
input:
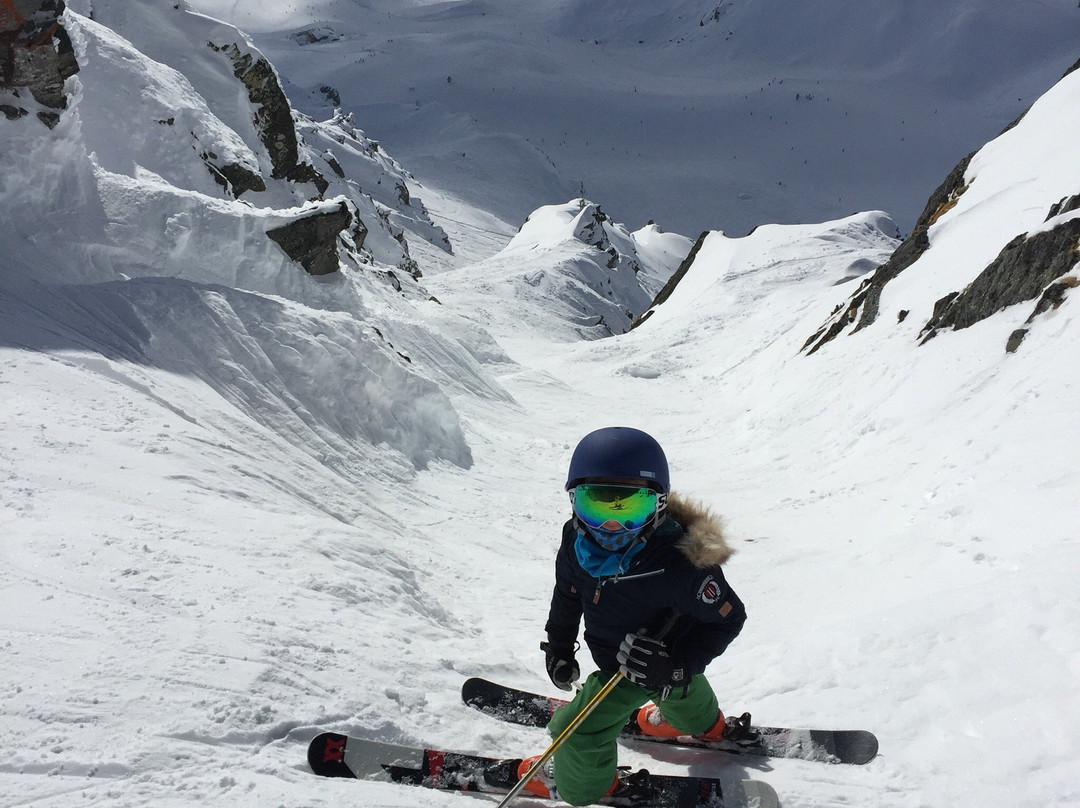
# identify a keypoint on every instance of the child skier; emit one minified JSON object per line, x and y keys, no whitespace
{"x":632,"y":555}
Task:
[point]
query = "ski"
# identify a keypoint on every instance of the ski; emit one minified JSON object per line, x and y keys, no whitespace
{"x":334,"y":755}
{"x":830,"y":746}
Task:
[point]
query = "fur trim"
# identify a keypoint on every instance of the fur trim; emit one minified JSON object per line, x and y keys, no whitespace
{"x":704,"y":542}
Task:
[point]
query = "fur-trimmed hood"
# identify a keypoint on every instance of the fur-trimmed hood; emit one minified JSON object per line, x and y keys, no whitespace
{"x":704,"y":543}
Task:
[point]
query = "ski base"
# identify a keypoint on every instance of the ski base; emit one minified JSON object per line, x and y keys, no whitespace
{"x":334,"y":755}
{"x":828,"y":746}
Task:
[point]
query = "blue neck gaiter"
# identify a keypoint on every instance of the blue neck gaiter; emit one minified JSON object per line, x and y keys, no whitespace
{"x":601,"y":563}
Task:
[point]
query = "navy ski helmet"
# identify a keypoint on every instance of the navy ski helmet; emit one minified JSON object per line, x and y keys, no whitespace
{"x":619,"y":452}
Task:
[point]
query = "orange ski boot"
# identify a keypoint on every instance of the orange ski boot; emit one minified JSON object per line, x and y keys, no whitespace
{"x":625,"y":785}
{"x":652,"y":722}
{"x":542,"y":783}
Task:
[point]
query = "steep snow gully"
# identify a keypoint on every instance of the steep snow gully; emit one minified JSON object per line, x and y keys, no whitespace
{"x":241,"y":504}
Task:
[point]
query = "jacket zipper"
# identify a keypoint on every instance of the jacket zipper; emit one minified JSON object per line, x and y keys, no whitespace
{"x":616,"y":578}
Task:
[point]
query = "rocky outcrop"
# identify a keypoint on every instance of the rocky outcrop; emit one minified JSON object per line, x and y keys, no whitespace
{"x":236,"y":178}
{"x":590,"y":227}
{"x":233,"y":177}
{"x":1052,"y":297}
{"x":35,"y":53}
{"x":672,"y":282}
{"x":863,"y":306}
{"x":1066,"y":205}
{"x":312,"y":239}
{"x":1028,"y":267}
{"x":273,"y":119}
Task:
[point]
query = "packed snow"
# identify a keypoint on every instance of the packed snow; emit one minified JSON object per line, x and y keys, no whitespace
{"x":240,"y":505}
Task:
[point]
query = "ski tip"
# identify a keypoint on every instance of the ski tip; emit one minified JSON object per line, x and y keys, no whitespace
{"x":326,"y":755}
{"x":857,"y":746}
{"x":473,"y":688}
{"x":750,"y":794}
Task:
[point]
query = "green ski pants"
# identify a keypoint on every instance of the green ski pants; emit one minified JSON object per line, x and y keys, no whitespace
{"x":585,"y":765}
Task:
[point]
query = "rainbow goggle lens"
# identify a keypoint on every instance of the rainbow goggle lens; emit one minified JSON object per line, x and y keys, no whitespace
{"x":614,"y":507}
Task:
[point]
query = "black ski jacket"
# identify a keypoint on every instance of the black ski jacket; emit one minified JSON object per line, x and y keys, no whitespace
{"x":679,"y":568}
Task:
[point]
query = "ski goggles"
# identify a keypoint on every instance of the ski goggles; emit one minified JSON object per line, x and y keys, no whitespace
{"x":614,"y":507}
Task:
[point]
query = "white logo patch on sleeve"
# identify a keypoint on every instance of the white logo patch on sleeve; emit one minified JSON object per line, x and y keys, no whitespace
{"x":710,"y":591}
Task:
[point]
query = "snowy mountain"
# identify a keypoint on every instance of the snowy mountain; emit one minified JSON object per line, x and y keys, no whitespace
{"x":699,"y":114}
{"x":156,"y":206}
{"x":568,"y":265}
{"x":1022,"y":242}
{"x":284,"y":427}
{"x":1001,"y":230}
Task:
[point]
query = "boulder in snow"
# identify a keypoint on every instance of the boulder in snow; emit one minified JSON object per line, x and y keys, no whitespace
{"x":36,"y":53}
{"x":311,"y":239}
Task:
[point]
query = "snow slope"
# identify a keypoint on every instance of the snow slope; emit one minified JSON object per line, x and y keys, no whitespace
{"x":700,"y":115}
{"x":233,"y":513}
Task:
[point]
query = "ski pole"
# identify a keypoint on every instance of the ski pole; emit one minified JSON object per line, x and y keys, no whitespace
{"x":566,"y":733}
{"x":669,"y":622}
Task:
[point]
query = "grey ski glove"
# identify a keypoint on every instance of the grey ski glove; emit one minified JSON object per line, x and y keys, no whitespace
{"x":647,"y":662}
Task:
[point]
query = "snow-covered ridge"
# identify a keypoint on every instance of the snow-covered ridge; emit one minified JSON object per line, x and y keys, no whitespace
{"x":1000,"y":231}
{"x":721,"y":271}
{"x":648,"y":252}
{"x":572,"y":270}
{"x":157,"y":200}
{"x":223,"y":70}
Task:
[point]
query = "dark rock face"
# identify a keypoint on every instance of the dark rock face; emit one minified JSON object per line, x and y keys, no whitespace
{"x":1066,"y":205}
{"x":334,"y":164}
{"x":331,"y":94}
{"x":592,"y":232}
{"x":1015,"y":338}
{"x":359,"y":234}
{"x":273,"y":120}
{"x":240,"y":179}
{"x":36,"y":53}
{"x":1053,"y":296}
{"x":865,"y":302}
{"x":233,"y":177}
{"x":673,"y":281}
{"x":312,"y":240}
{"x":13,"y":113}
{"x":1024,"y":270}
